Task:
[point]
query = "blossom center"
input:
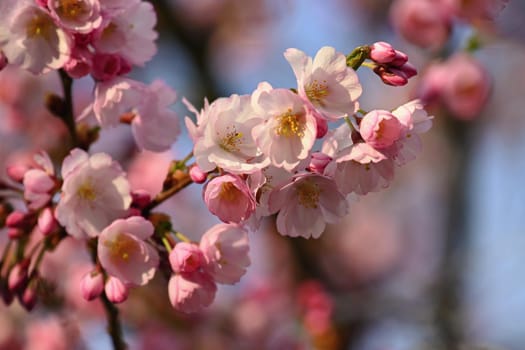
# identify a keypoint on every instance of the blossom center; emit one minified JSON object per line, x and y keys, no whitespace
{"x":122,"y":247}
{"x":289,"y":124}
{"x":316,"y":91}
{"x":71,"y":9}
{"x":87,"y":192}
{"x":308,"y":193}
{"x":231,"y":141}
{"x":229,"y":192}
{"x":39,"y":25}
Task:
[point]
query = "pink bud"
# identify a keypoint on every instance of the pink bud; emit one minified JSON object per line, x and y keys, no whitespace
{"x":322,"y":128}
{"x":78,"y":67}
{"x":380,"y":129}
{"x":391,"y":76}
{"x":16,"y":172}
{"x":382,"y":52}
{"x":186,"y":257}
{"x":14,"y":233}
{"x":191,"y":292}
{"x":197,"y":175}
{"x":400,"y":59}
{"x":46,"y":221}
{"x":409,"y":70}
{"x":16,"y":219}
{"x":29,"y":297}
{"x":38,"y":181}
{"x":318,"y":162}
{"x":92,"y":285}
{"x":116,"y":291}
{"x":18,"y":276}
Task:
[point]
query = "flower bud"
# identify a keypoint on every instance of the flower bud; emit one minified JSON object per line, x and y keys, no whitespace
{"x":382,"y":52}
{"x":400,"y":59}
{"x":16,"y":172}
{"x":46,"y":221}
{"x":186,"y":257}
{"x":197,"y":175}
{"x":318,"y":162}
{"x":14,"y":233}
{"x":17,"y":219}
{"x":92,"y":285}
{"x":29,"y":297}
{"x":116,"y":291}
{"x":18,"y":276}
{"x":391,"y":76}
{"x":105,"y":66}
{"x":322,"y":128}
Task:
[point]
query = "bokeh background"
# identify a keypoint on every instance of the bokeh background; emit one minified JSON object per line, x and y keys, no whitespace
{"x":435,"y":261}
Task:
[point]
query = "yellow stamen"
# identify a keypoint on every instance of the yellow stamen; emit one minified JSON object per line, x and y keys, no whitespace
{"x":232,"y":140}
{"x":290,"y":124}
{"x":40,"y":25}
{"x":71,"y":9}
{"x":316,"y":92}
{"x":121,"y":247}
{"x":308,"y":193}
{"x":86,"y":191}
{"x":229,"y":192}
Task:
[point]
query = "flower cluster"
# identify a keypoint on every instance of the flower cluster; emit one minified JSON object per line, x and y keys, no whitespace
{"x":258,"y":149}
{"x":298,"y":153}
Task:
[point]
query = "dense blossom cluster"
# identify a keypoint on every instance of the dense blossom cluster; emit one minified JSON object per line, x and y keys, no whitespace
{"x":300,"y":154}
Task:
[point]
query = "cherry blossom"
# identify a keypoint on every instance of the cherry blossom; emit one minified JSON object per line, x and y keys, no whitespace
{"x":95,"y":192}
{"x":123,"y":252}
{"x":306,"y":204}
{"x":31,"y":39}
{"x":326,"y":82}
{"x":225,"y":248}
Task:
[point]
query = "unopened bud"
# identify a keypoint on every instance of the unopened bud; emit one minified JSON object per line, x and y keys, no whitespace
{"x":400,"y":59}
{"x":14,"y":233}
{"x":319,"y":162}
{"x":7,"y":295}
{"x":46,"y":221}
{"x":382,"y":52}
{"x":322,"y":128}
{"x":92,"y":285}
{"x":116,"y":291}
{"x":16,"y":172}
{"x":391,"y":76}
{"x":17,"y":219}
{"x":18,"y":276}
{"x":29,"y":297}
{"x":197,"y":175}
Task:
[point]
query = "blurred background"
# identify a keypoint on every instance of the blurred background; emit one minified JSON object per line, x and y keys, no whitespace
{"x":433,"y":262}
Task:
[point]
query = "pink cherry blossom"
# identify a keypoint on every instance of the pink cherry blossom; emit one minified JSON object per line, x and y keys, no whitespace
{"x":326,"y":82}
{"x":92,"y":285}
{"x":81,"y":16}
{"x":229,"y":198}
{"x":40,"y":182}
{"x":307,"y":204}
{"x":225,"y":139}
{"x":191,"y":292}
{"x":130,"y":33}
{"x":116,"y":291}
{"x":30,"y":38}
{"x":380,"y":129}
{"x":286,"y":131}
{"x":95,"y":192}
{"x":426,"y":23}
{"x":186,"y":258}
{"x":225,"y":247}
{"x":154,"y":125}
{"x":123,"y":252}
